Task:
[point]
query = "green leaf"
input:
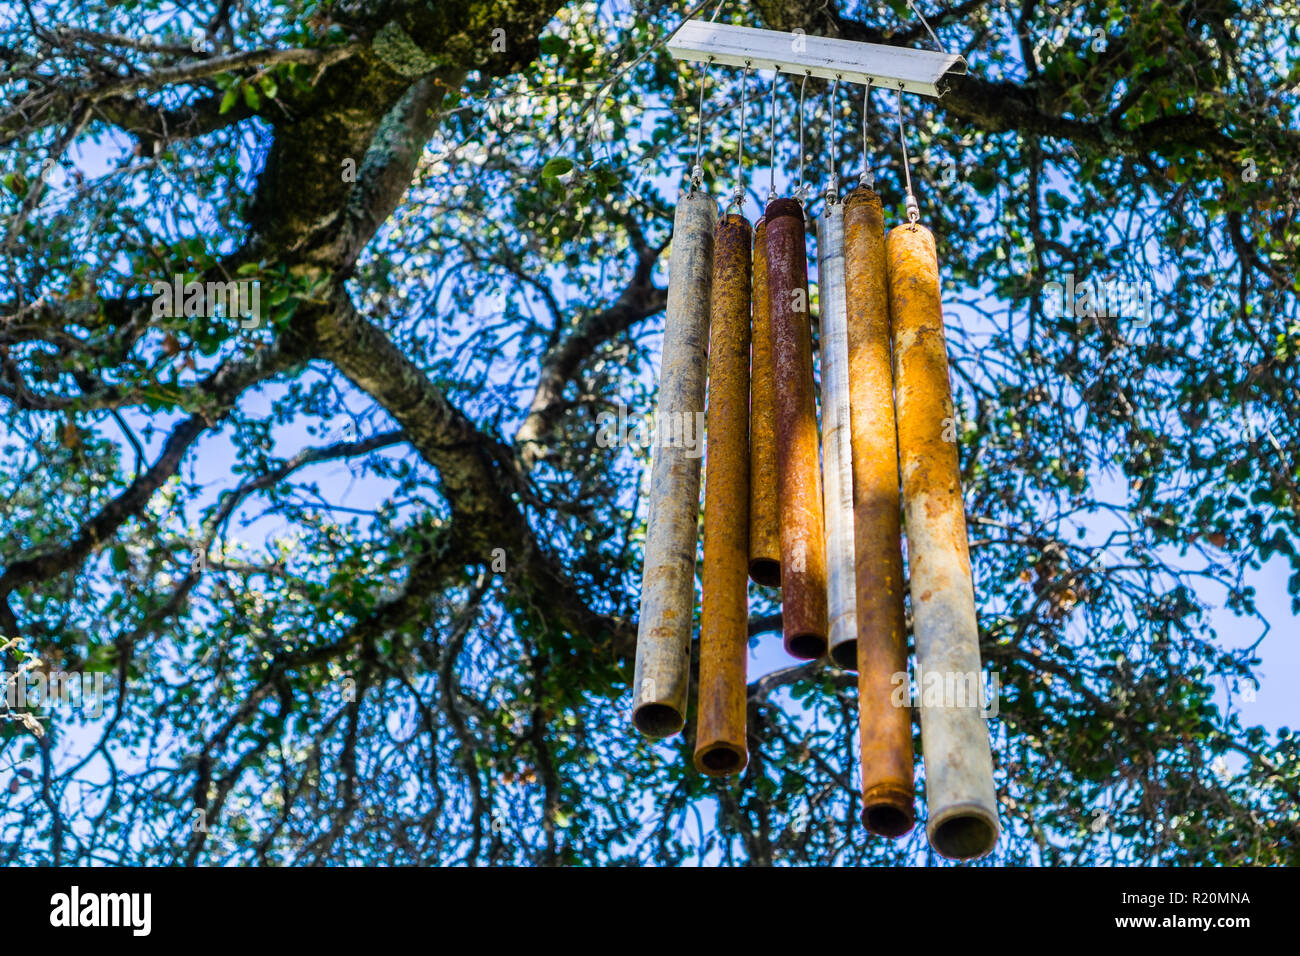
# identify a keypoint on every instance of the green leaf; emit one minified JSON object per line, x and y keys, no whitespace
{"x":551,"y":45}
{"x":16,"y":183}
{"x":208,"y":344}
{"x":251,"y":97}
{"x":228,"y":100}
{"x":556,"y":167}
{"x":282,"y":313}
{"x":101,"y":659}
{"x":119,"y":559}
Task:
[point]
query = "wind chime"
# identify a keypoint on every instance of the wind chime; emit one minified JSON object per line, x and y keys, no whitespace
{"x":825,"y":528}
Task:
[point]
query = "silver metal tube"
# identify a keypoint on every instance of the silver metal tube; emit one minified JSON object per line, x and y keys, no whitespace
{"x":837,"y":453}
{"x":663,"y":650}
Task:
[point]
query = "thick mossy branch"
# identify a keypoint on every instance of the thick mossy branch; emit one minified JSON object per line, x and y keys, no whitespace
{"x":298,"y":209}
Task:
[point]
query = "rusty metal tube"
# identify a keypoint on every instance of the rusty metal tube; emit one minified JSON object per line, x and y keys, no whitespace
{"x":837,"y":455}
{"x":885,"y":729}
{"x":720,"y":746}
{"x":764,"y":535}
{"x":963,"y":820}
{"x":799,"y":493}
{"x":663,"y":648}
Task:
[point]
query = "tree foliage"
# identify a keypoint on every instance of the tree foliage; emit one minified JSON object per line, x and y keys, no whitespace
{"x":362,"y":575}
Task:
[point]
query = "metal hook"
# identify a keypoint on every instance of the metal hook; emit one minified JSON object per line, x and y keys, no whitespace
{"x":738,"y":197}
{"x":913,"y":210}
{"x":925,"y":23}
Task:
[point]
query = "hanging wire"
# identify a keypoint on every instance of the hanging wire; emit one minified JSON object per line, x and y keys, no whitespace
{"x":697,"y":174}
{"x":802,"y":190}
{"x":867,"y":179}
{"x":609,"y":84}
{"x":913,"y":210}
{"x":738,"y":197}
{"x":833,"y":188}
{"x":771,"y":138}
{"x":912,"y":6}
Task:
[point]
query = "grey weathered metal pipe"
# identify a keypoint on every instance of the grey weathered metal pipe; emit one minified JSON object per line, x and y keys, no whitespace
{"x":663,"y":650}
{"x":837,"y":454}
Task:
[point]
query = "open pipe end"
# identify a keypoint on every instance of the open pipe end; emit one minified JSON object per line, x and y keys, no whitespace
{"x":658,"y":720}
{"x":888,"y":820}
{"x":765,"y":571}
{"x":845,"y":655}
{"x":721,"y":759}
{"x":887,"y":810}
{"x":806,"y":646}
{"x":964,"y":832}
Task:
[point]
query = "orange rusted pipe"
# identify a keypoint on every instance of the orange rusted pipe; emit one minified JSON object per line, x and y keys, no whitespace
{"x":799,"y":485}
{"x":764,"y":532}
{"x":720,"y":746}
{"x":885,"y":729}
{"x":663,"y":644}
{"x":963,"y":821}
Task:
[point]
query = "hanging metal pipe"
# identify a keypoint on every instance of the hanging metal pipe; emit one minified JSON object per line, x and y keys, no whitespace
{"x":837,"y":455}
{"x":663,"y":650}
{"x":720,"y":746}
{"x":764,"y":535}
{"x":885,"y":727}
{"x":799,"y":493}
{"x":963,"y":821}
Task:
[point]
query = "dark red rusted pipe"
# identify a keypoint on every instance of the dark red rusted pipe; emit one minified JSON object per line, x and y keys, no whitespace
{"x":799,"y":486}
{"x":764,"y":528}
